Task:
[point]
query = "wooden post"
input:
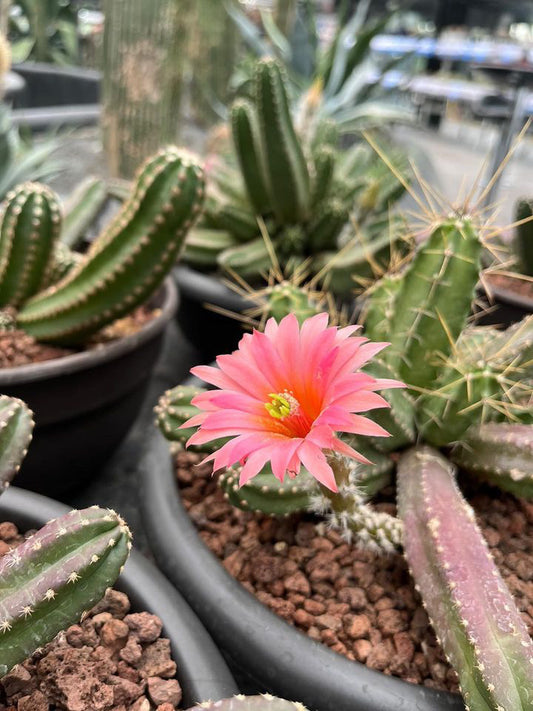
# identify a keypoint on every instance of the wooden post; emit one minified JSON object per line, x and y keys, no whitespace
{"x":145,"y":53}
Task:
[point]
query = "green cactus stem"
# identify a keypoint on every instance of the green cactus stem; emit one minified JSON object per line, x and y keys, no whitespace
{"x":129,"y":260}
{"x":203,"y":246}
{"x":349,"y":512}
{"x":82,"y":207}
{"x":286,"y":167}
{"x":57,"y":574}
{"x":265,"y":702}
{"x":16,"y":427}
{"x":435,"y":300}
{"x":325,"y":159}
{"x":288,"y":298}
{"x":524,"y":235}
{"x":327,"y":224}
{"x":379,"y":307}
{"x":247,"y":260}
{"x":501,"y":454}
{"x":472,"y":612}
{"x":30,"y":226}
{"x":62,"y":262}
{"x":248,"y":146}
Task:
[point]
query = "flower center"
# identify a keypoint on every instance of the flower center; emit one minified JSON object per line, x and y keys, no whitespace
{"x":281,"y":405}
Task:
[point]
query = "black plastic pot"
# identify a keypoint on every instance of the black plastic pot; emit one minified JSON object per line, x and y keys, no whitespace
{"x":202,"y":672}
{"x":505,"y":307}
{"x":85,"y":403}
{"x":209,"y":332}
{"x":279,"y":658}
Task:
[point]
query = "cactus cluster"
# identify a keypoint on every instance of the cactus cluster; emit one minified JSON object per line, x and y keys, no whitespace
{"x":58,"y":573}
{"x":297,"y":198}
{"x":63,"y":297}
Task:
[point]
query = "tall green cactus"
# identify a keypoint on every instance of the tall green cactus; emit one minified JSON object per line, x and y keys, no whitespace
{"x":16,"y":427}
{"x":128,"y":260}
{"x":472,"y":612}
{"x":54,"y":576}
{"x":29,"y":228}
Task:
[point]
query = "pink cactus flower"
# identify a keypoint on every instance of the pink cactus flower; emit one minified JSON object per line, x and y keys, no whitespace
{"x":285,"y":393}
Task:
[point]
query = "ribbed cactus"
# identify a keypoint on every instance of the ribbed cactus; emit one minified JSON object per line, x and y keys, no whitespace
{"x":83,"y":205}
{"x":265,"y":702}
{"x":472,"y":612}
{"x":500,"y":453}
{"x":301,"y":187}
{"x":62,"y":262}
{"x":57,"y":574}
{"x":524,"y":235}
{"x":128,"y":260}
{"x":29,"y":228}
{"x":16,"y":427}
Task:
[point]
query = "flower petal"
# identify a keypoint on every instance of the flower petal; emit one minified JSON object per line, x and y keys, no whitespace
{"x":316,"y":464}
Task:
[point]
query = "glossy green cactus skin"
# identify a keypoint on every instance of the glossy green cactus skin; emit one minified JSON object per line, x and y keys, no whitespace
{"x":30,"y":226}
{"x":524,"y":235}
{"x":472,"y":612}
{"x":500,"y":453}
{"x":434,"y":300}
{"x":265,"y":702}
{"x":16,"y":428}
{"x":129,"y":259}
{"x":245,"y":129}
{"x":62,"y":262}
{"x":57,"y":574}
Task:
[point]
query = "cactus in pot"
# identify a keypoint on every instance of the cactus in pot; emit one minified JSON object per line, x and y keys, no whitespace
{"x":121,"y":270}
{"x":59,"y":572}
{"x":303,"y":193}
{"x":467,"y":402}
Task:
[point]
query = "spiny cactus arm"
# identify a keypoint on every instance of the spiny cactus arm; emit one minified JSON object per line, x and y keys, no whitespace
{"x":61,"y":263}
{"x":287,"y":298}
{"x":203,"y":246}
{"x":501,"y":454}
{"x":57,"y":574}
{"x":16,"y":427}
{"x":238,"y":220}
{"x":471,"y":610}
{"x":30,"y":226}
{"x":515,"y":344}
{"x":249,"y":149}
{"x":349,"y":512}
{"x":81,"y":209}
{"x":435,"y":300}
{"x":323,"y":231}
{"x":286,"y":167}
{"x":524,"y":235}
{"x":264,"y":702}
{"x":127,"y":262}
{"x":379,"y":306}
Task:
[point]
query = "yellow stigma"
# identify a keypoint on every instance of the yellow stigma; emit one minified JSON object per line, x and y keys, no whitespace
{"x":281,"y":405}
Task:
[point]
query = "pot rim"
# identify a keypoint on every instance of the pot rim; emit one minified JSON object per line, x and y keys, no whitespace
{"x":273,"y":652}
{"x":509,"y":296}
{"x":202,"y":672}
{"x":75,"y":362}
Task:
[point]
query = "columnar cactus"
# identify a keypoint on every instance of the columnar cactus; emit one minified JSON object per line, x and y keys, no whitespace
{"x":16,"y":427}
{"x":54,"y":576}
{"x":29,"y":229}
{"x":303,"y":189}
{"x":472,"y":612}
{"x":524,"y":235}
{"x":128,"y":260}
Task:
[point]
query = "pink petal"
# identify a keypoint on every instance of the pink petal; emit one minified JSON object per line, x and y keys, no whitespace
{"x":194,"y":421}
{"x":316,"y":464}
{"x":361,"y":401}
{"x":343,"y":448}
{"x":282,"y":456}
{"x":364,"y":426}
{"x":214,"y":376}
{"x":387,"y":384}
{"x":245,"y":373}
{"x":253,"y":465}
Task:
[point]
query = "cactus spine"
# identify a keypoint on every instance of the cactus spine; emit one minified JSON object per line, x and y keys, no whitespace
{"x":16,"y":427}
{"x":54,"y":576}
{"x":28,"y":231}
{"x":470,"y":608}
{"x":128,"y":260}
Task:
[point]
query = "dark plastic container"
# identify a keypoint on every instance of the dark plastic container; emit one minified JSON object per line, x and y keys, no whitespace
{"x":273,"y":654}
{"x":202,"y":672}
{"x":85,"y":403}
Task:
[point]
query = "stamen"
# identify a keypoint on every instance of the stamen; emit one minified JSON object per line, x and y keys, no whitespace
{"x":281,"y":405}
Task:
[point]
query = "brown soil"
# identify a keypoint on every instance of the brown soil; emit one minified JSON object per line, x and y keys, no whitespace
{"x":359,"y":604}
{"x":520,"y":287}
{"x":18,"y":348}
{"x":112,"y":661}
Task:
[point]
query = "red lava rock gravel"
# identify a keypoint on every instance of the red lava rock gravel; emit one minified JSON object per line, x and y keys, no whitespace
{"x":112,"y":661}
{"x":360,"y":605}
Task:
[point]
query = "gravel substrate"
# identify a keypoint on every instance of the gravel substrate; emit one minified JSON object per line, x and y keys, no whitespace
{"x":113,"y":661}
{"x":360,"y":605}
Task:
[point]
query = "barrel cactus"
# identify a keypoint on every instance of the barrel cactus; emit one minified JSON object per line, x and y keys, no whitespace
{"x":64,"y":298}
